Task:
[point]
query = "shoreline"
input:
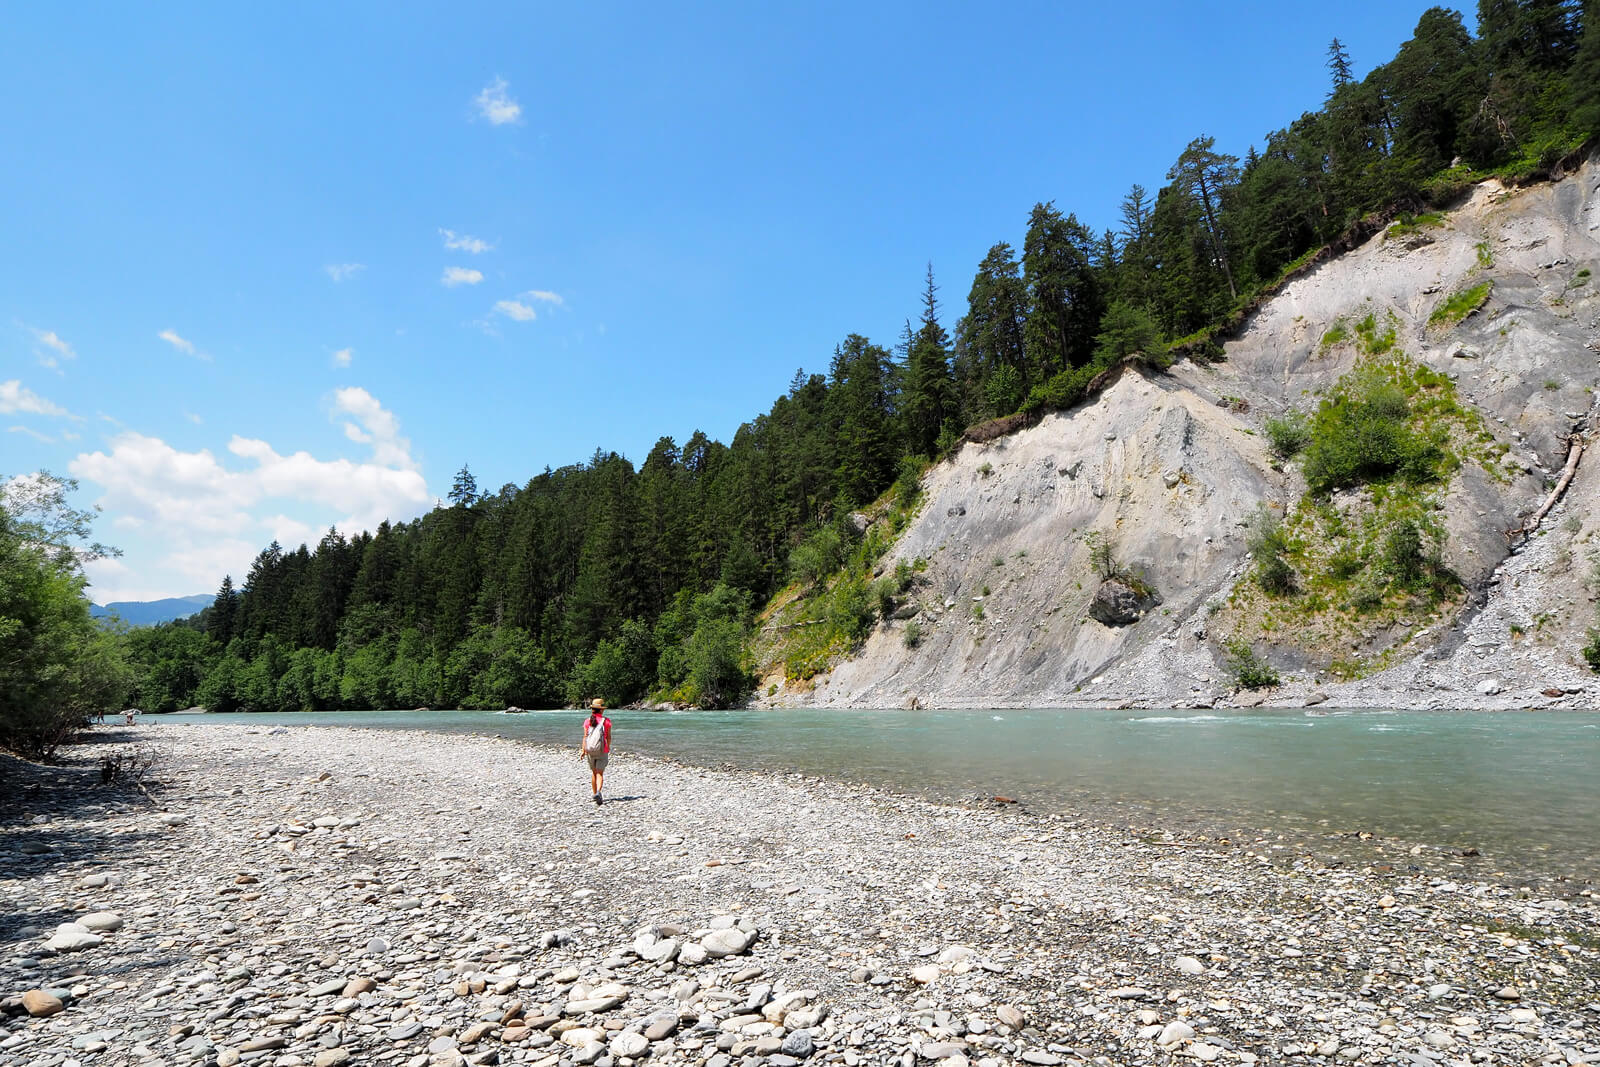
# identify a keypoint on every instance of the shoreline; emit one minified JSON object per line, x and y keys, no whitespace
{"x":461,"y":882}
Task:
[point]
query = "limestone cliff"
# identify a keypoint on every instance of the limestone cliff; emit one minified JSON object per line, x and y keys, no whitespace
{"x":1167,"y":468}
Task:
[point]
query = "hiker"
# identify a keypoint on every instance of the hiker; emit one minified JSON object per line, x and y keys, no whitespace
{"x":596,"y":744}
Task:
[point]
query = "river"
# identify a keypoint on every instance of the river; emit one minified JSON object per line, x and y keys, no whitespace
{"x":1520,"y":789}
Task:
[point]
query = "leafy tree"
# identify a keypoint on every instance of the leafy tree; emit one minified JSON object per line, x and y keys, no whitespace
{"x":57,"y":667}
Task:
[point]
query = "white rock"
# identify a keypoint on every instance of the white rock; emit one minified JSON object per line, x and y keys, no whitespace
{"x":631,"y":1045}
{"x":729,"y":942}
{"x":1174,"y":1032}
{"x":70,"y":937}
{"x":1188,"y":965}
{"x":925,"y":975}
{"x":103,"y":921}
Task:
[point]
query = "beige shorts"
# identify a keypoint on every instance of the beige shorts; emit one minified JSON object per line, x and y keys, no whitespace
{"x":597,"y":760}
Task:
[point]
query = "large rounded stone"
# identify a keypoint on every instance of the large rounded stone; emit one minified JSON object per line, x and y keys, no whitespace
{"x":40,"y":1004}
{"x":729,"y":942}
{"x":631,"y":1045}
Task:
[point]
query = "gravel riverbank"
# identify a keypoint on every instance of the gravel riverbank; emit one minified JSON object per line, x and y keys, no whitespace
{"x":320,"y":896}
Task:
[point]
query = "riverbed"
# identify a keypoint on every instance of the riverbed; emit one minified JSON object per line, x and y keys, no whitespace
{"x":1507,"y":795}
{"x":313,"y":897}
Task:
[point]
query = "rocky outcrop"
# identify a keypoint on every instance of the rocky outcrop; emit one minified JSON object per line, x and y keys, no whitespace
{"x":1119,"y":603}
{"x":1169,"y":467}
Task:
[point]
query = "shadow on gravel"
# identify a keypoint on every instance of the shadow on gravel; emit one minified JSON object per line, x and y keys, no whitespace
{"x":71,"y":842}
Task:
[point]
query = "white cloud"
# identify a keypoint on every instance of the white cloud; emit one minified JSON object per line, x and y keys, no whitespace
{"x":204,"y":516}
{"x":462,"y":242}
{"x":182,"y":345}
{"x":454,"y":276}
{"x":192,"y":417}
{"x":382,"y":429}
{"x":545,"y":296}
{"x":35,"y":434}
{"x":496,"y":105}
{"x":341,"y":272}
{"x":515,"y":309}
{"x":15,"y":398}
{"x":52,"y":348}
{"x":343,"y":357}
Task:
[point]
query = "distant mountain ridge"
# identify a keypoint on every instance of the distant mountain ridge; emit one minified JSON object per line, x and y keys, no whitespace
{"x":151,"y":612}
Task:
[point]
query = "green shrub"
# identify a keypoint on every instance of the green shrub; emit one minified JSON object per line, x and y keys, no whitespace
{"x":913,"y":634}
{"x":1288,"y":435}
{"x":1249,"y":670}
{"x":1062,"y":390}
{"x":1362,"y":434}
{"x":1267,"y":545}
{"x":1591,"y":651}
{"x":1403,"y":556}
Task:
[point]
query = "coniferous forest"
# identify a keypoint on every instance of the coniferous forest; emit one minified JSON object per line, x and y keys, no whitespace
{"x":626,"y":581}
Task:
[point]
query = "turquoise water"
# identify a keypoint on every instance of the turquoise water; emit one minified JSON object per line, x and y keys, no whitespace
{"x":1523,"y":788}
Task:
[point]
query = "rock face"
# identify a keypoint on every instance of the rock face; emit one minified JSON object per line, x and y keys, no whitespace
{"x":1167,"y":467}
{"x":1116,"y":603}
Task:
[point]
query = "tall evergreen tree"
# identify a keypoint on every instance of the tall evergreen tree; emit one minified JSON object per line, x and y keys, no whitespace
{"x":464,"y":490}
{"x":1339,"y":66}
{"x":222,"y":618}
{"x":1065,"y":297}
{"x":929,"y":391}
{"x":989,"y":338}
{"x":1204,"y":174}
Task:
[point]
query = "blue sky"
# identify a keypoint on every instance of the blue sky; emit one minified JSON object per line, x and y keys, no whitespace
{"x":274,"y":267}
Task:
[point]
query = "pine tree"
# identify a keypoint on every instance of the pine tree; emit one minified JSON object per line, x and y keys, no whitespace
{"x":989,"y":337}
{"x":929,"y":391}
{"x":1338,"y":66}
{"x":464,"y":490}
{"x":221,"y":620}
{"x":1065,"y":299}
{"x":1203,"y":174}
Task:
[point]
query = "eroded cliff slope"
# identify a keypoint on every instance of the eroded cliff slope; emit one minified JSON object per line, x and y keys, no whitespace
{"x":1490,"y":315}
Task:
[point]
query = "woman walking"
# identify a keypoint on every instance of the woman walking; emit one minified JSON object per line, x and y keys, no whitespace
{"x":597,"y":744}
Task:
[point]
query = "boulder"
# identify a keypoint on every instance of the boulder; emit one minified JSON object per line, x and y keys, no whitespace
{"x":1118,"y":602}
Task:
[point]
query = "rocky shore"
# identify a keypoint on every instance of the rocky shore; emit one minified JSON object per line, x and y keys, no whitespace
{"x":321,"y":896}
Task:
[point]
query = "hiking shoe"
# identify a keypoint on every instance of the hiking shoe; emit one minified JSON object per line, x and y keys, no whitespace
{"x":597,"y":798}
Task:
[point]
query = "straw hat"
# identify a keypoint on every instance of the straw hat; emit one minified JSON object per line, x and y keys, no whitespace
{"x":597,"y":704}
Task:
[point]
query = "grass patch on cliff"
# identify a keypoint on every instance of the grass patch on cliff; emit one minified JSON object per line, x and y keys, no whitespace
{"x":1408,"y":224}
{"x":1459,"y":304}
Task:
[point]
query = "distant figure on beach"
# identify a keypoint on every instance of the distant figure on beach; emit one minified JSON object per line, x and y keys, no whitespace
{"x":597,"y":744}
{"x":127,"y":717}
